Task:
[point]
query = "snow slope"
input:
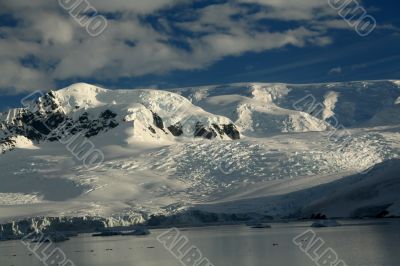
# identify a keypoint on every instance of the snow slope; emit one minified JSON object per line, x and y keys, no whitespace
{"x":350,"y":104}
{"x":138,"y":115}
{"x":238,"y":149}
{"x":360,"y":195}
{"x":254,"y":109}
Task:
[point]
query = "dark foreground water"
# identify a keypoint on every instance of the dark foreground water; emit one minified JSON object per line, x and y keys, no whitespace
{"x":363,"y":243}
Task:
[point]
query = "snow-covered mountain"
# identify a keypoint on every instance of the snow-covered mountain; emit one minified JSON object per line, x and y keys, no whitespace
{"x":235,"y":150}
{"x":140,"y":115}
{"x":267,"y":108}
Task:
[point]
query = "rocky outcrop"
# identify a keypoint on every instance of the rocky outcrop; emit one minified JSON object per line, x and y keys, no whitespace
{"x":46,"y":120}
{"x":158,"y":122}
{"x":232,"y":131}
{"x":176,"y":129}
{"x":7,"y":144}
{"x":55,"y":116}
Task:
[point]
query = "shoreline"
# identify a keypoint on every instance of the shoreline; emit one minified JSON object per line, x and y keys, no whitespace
{"x":75,"y":226}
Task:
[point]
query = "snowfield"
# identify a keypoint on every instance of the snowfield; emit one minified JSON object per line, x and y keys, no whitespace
{"x":240,"y":149}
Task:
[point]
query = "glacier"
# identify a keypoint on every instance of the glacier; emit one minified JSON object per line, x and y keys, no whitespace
{"x":210,"y":154}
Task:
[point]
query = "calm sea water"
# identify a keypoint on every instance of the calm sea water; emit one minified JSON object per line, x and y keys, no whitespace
{"x":363,"y":243}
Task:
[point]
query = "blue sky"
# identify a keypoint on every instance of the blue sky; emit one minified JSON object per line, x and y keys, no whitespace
{"x":174,"y":43}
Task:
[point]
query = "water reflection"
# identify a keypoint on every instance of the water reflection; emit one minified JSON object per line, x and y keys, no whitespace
{"x":361,"y":244}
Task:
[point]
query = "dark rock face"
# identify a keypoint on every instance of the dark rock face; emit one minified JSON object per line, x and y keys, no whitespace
{"x":152,"y":130}
{"x":105,"y":122}
{"x":231,"y":131}
{"x":158,"y":122}
{"x":218,"y":129}
{"x":35,"y":127}
{"x":88,"y":126}
{"x":6,"y":144}
{"x":176,"y":129}
{"x":84,"y":118}
{"x":202,"y":132}
{"x":211,"y":133}
{"x":55,"y":120}
{"x":47,"y":121}
{"x":108,"y":115}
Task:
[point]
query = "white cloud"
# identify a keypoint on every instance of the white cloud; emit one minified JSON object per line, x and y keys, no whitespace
{"x":65,"y":50}
{"x":335,"y":71}
{"x":14,"y":76}
{"x":53,"y":29}
{"x":293,"y":9}
{"x":137,"y":6}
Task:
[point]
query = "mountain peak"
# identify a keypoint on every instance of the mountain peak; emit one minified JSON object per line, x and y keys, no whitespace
{"x":81,"y":86}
